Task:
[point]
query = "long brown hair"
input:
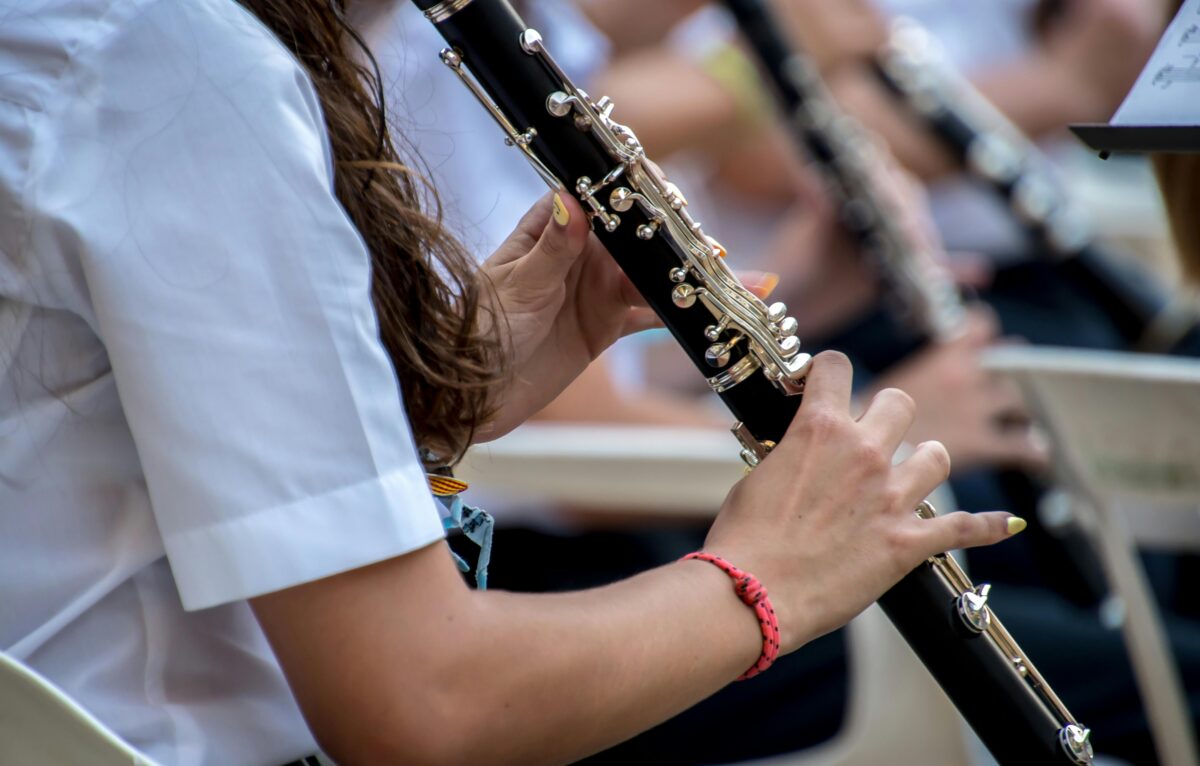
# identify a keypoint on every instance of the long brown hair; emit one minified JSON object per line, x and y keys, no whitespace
{"x":426,"y":290}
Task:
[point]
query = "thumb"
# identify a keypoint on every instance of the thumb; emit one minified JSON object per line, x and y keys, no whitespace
{"x":561,"y":242}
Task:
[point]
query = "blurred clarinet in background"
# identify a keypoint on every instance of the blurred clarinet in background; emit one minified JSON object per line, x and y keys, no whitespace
{"x":746,"y":350}
{"x":991,"y":148}
{"x":920,"y":291}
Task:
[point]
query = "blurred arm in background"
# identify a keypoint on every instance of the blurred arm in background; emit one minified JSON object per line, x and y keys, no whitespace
{"x":632,"y":24}
{"x":1082,"y":60}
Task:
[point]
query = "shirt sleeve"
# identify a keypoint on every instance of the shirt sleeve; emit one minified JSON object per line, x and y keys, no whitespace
{"x":232,"y":294}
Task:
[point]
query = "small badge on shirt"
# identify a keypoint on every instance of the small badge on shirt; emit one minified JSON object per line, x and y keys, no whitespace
{"x":445,"y":486}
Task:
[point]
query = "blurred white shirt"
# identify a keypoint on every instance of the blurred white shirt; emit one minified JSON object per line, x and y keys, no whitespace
{"x":976,"y":34}
{"x":195,"y":407}
{"x":485,"y":187}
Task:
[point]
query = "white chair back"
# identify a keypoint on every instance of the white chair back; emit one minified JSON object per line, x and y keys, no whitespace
{"x":42,"y":726}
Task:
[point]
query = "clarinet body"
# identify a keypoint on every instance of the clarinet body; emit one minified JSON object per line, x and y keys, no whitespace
{"x":994,"y":150}
{"x":746,"y":349}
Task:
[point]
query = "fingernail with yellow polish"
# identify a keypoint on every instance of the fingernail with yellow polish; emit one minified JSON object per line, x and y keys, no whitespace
{"x":1016,"y":524}
{"x":768,"y":284}
{"x":561,"y":215}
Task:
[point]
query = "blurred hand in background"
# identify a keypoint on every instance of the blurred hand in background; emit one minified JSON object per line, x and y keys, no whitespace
{"x":980,"y":417}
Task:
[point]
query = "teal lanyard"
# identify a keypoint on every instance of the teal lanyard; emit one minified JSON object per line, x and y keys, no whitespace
{"x":477,"y":525}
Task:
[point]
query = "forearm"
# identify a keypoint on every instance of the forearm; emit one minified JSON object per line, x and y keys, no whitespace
{"x":630,"y":24}
{"x":1038,"y":96}
{"x":907,"y":137}
{"x":594,"y":397}
{"x":400,"y":663}
{"x":603,"y":664}
{"x":1032,"y":93}
{"x":670,"y":102}
{"x":447,"y":675}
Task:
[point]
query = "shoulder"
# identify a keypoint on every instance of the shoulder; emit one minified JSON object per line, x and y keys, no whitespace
{"x":67,"y":45}
{"x":188,"y":49}
{"x":121,"y":64}
{"x":196,"y":89}
{"x":103,"y":77}
{"x":187,"y":120}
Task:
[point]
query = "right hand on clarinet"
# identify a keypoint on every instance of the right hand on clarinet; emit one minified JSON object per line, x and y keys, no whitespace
{"x":827,"y":522}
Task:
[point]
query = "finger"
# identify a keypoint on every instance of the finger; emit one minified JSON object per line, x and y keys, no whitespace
{"x":982,"y":326}
{"x":923,"y":471}
{"x":526,"y":233}
{"x":761,"y":283}
{"x":967,"y":530}
{"x":1006,"y":404}
{"x":829,"y":382}
{"x":969,"y":269}
{"x":888,"y":417}
{"x":1009,"y":418}
{"x":560,"y":243}
{"x":640,"y":319}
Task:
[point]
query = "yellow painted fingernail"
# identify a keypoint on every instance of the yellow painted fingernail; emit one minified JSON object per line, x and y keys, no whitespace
{"x":561,"y":215}
{"x":1016,"y":524}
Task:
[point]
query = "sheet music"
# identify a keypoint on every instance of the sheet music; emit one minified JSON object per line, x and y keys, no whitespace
{"x":1168,"y":90}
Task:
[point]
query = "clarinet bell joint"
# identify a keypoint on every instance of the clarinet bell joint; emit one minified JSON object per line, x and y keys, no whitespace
{"x":976,"y":622}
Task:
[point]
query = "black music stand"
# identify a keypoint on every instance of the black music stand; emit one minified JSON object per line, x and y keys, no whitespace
{"x":1161,"y":114}
{"x":1109,"y":139}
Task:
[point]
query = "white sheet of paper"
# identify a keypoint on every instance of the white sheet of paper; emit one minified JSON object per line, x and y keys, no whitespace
{"x":1168,"y":90}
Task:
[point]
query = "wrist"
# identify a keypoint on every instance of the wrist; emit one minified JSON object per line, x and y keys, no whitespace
{"x":753,"y":594}
{"x":738,"y":622}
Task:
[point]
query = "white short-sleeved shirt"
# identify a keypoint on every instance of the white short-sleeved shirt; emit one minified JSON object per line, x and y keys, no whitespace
{"x":195,"y":407}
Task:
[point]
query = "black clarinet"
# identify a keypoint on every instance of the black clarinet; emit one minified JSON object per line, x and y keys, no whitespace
{"x":991,"y":148}
{"x":747,"y":350}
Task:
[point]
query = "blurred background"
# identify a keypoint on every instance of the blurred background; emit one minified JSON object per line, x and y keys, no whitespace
{"x":919,"y":204}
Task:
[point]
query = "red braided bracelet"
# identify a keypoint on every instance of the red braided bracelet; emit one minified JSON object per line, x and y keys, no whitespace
{"x":754,"y":595}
